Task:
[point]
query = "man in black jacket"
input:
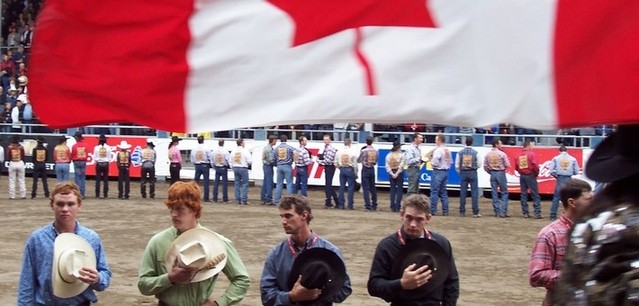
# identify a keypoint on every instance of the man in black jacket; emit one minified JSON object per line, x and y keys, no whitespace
{"x":432,"y":284}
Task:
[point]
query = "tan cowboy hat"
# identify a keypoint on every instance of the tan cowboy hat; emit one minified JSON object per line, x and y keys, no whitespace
{"x":124,"y":145}
{"x":70,"y":254}
{"x":199,"y":248}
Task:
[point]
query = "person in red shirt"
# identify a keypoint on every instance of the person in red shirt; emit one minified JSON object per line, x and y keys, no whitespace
{"x":527,"y":166}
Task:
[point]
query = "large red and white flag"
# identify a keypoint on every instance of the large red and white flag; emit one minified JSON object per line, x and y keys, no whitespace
{"x":218,"y":64}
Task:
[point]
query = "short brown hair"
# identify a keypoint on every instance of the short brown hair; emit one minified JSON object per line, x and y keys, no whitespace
{"x":572,"y":189}
{"x":67,"y":188}
{"x":185,"y":194}
{"x":417,"y":201}
{"x":299,"y":203}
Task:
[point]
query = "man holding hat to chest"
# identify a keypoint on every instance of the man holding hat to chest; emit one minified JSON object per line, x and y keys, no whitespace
{"x":414,"y":266}
{"x":304,"y":269}
{"x":63,"y":262}
{"x":181,"y":263}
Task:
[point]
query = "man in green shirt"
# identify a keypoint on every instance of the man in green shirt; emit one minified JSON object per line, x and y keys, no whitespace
{"x":176,"y":287}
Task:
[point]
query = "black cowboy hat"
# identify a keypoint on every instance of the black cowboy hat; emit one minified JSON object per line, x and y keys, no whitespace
{"x":150,"y":144}
{"x":396,"y":145}
{"x":102,"y":137}
{"x":78,"y":135}
{"x":175,"y":139}
{"x":15,"y":139}
{"x":422,"y":252}
{"x":320,"y":269}
{"x":616,"y":157}
{"x":40,"y":139}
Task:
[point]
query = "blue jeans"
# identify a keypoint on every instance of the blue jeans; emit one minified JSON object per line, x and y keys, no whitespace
{"x":529,"y":181}
{"x":80,"y":175}
{"x":346,"y":176}
{"x":301,"y":180}
{"x":62,"y":172}
{"x":203,"y":170}
{"x":329,"y":191}
{"x":469,"y":177}
{"x":284,"y":171}
{"x":241,"y":183}
{"x":368,"y":184}
{"x":555,"y":198}
{"x":396,"y":192}
{"x":413,"y":180}
{"x":267,"y":185}
{"x":221,"y":177}
{"x":438,"y":190}
{"x":500,"y":200}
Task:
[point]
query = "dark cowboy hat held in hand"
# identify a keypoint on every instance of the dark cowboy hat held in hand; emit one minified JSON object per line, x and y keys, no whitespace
{"x":617,"y":157}
{"x":422,"y":252}
{"x":320,"y":269}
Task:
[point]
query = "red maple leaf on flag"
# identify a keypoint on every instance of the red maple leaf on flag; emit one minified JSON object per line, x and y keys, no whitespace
{"x":316,"y":19}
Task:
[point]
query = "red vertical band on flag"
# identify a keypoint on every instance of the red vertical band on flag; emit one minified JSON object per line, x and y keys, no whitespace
{"x":111,"y":61}
{"x":596,"y":56}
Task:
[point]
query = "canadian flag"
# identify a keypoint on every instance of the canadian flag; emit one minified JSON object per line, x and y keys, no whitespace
{"x":207,"y":65}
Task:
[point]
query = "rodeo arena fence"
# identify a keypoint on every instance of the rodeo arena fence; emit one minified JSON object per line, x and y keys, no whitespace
{"x":581,"y":147}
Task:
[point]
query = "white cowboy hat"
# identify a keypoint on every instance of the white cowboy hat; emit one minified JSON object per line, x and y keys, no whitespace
{"x":22,"y":98}
{"x":124,"y":145}
{"x":13,"y":87}
{"x":199,"y":248}
{"x":70,"y":254}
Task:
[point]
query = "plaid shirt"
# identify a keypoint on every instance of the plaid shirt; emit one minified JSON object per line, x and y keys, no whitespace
{"x":329,"y":155}
{"x":548,"y":253}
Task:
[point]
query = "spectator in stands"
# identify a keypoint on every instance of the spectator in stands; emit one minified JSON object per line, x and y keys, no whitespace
{"x":12,"y":94}
{"x":6,"y":118}
{"x":13,"y":39}
{"x":27,"y":37}
{"x":340,"y":129}
{"x":450,"y":138}
{"x":16,"y":115}
{"x":19,"y":56}
{"x":6,"y":66}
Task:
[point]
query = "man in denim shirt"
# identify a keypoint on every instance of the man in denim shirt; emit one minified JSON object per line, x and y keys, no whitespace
{"x":35,"y":287}
{"x":295,"y":214}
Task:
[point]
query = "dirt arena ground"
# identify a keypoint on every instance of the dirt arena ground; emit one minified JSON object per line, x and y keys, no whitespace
{"x":491,"y":253}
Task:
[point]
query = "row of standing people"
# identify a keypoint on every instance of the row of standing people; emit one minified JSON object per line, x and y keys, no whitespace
{"x":495,"y":163}
{"x":78,"y":154}
{"x":412,"y":266}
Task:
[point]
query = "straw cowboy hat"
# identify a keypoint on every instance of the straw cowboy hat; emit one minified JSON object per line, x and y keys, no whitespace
{"x":320,"y":269}
{"x":199,"y":248}
{"x":124,"y":145}
{"x":70,"y":254}
{"x":422,"y":252}
{"x":616,"y":157}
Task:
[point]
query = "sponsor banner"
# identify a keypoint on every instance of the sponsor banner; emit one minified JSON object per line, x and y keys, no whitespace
{"x":29,"y":142}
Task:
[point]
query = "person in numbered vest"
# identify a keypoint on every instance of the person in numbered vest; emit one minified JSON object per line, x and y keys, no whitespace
{"x":102,"y":157}
{"x":528,"y":168}
{"x":284,"y":160}
{"x":39,"y":155}
{"x":467,"y":164}
{"x":495,"y":163}
{"x":395,"y":167}
{"x":201,"y":159}
{"x":15,"y":156}
{"x":175,"y":159}
{"x":123,"y":159}
{"x":240,"y":162}
{"x":302,"y":159}
{"x":148,"y":170}
{"x":62,"y":158}
{"x":346,"y":162}
{"x":221,"y":164}
{"x":562,"y":168}
{"x":326,"y":158}
{"x":79,"y":155}
{"x":368,"y":159}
